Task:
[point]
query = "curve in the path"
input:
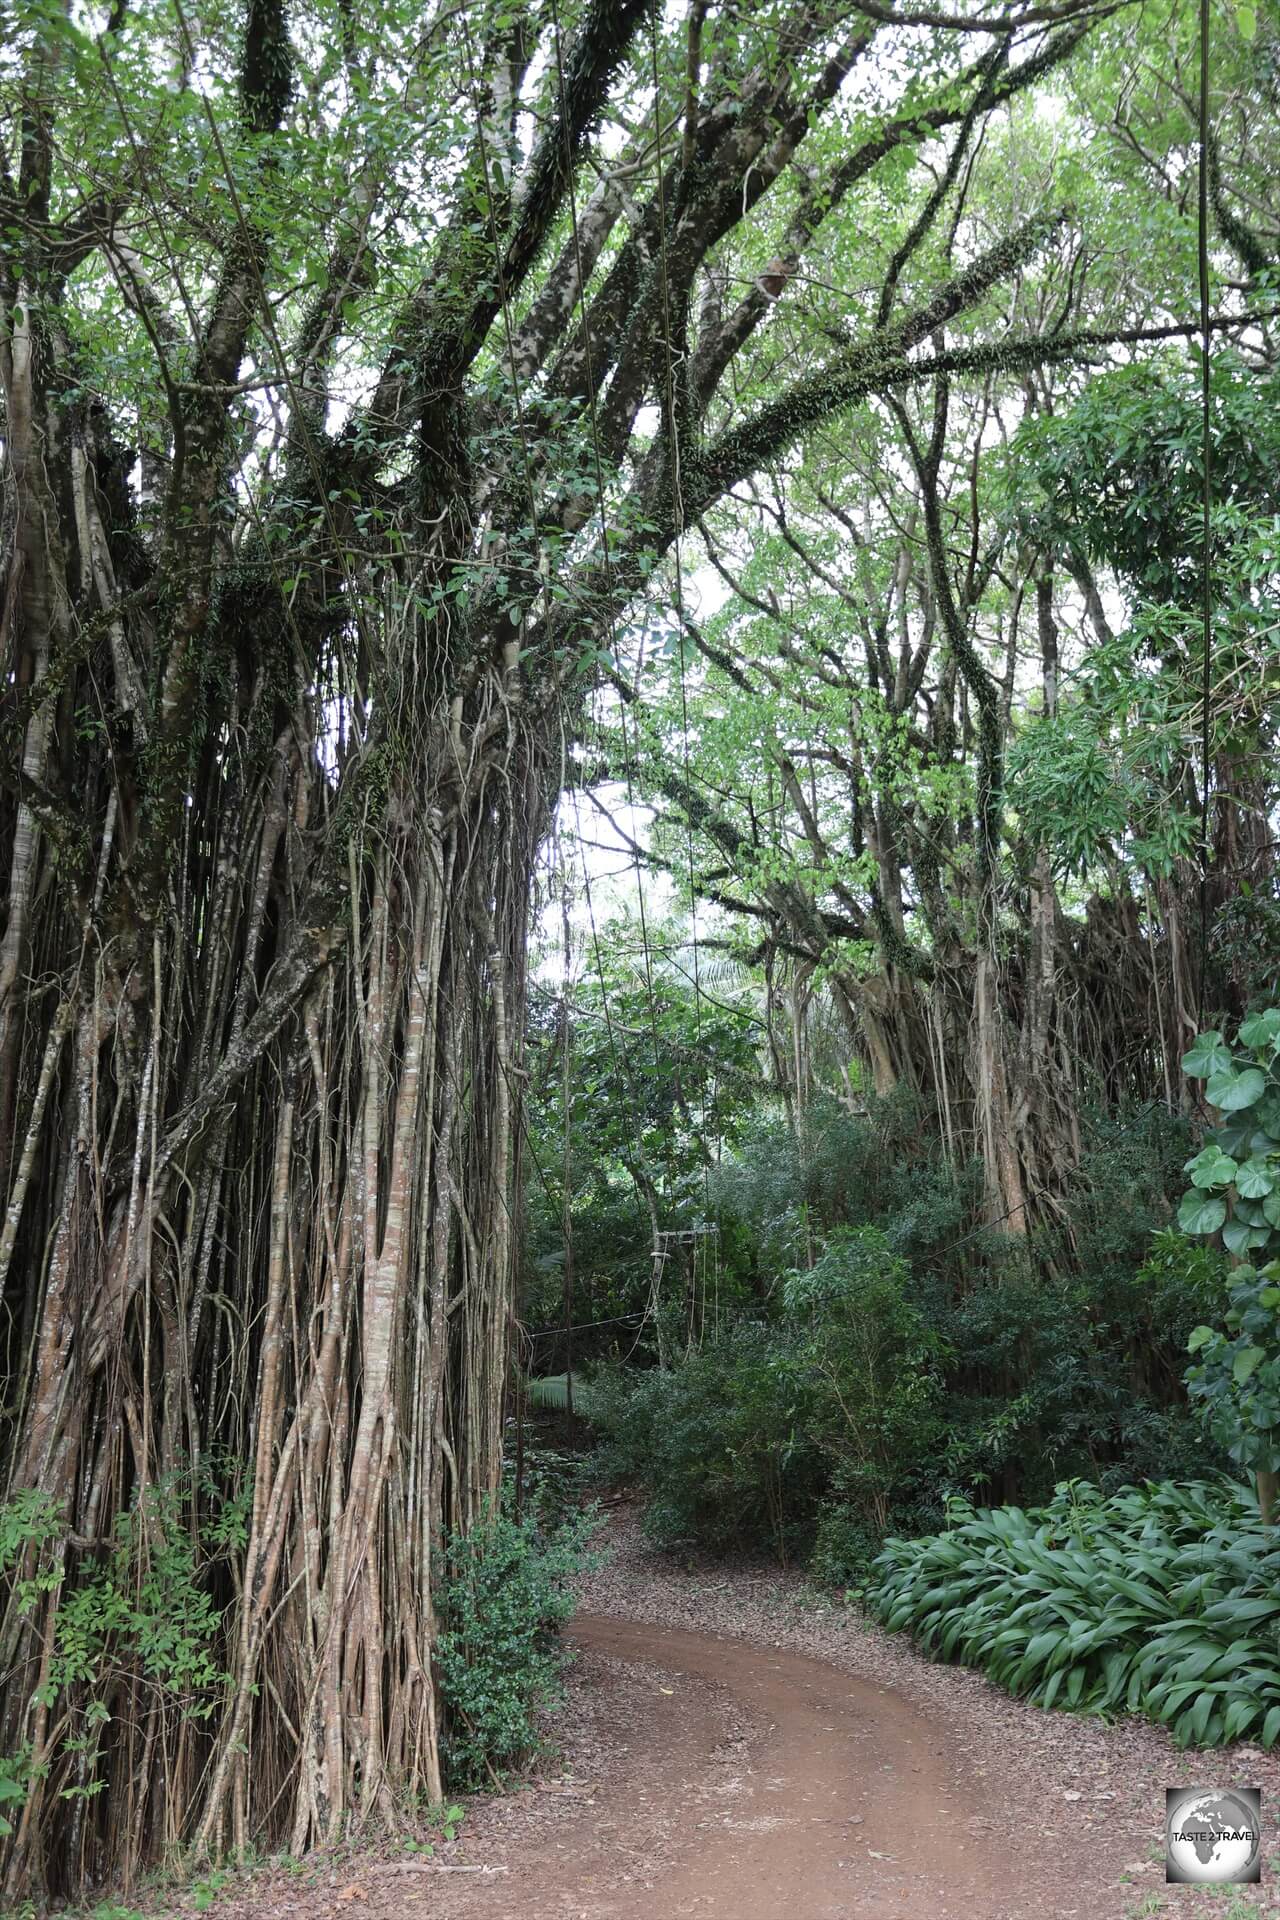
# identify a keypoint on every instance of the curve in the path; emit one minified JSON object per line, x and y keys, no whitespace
{"x":846,"y":1808}
{"x":763,"y":1785}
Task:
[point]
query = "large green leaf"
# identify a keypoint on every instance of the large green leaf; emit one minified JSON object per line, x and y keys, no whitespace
{"x":1238,"y":1236}
{"x":1254,"y":1180}
{"x":1207,"y":1054}
{"x":1246,"y":1364}
{"x":1197,"y":1653}
{"x":1261,"y":1029}
{"x":1201,"y":1213}
{"x":1231,"y":1092}
{"x":1212,"y":1168}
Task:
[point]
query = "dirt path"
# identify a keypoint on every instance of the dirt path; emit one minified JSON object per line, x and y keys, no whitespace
{"x":843,"y":1806}
{"x":754,"y":1784}
{"x":732,"y":1750}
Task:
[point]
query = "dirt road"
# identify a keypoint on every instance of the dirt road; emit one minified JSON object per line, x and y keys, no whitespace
{"x":758,"y":1784}
{"x":842,"y":1803}
{"x":732,"y":1750}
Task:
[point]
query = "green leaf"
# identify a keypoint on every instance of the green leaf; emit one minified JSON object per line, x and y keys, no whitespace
{"x":1201,"y":1213}
{"x":1260,"y":1029}
{"x":1237,"y":1237}
{"x":1212,"y":1168}
{"x":1207,"y":1055}
{"x":1254,"y":1180}
{"x":1198,"y":1337}
{"x":1246,"y":1363}
{"x":1230,"y":1091}
{"x":1246,"y":20}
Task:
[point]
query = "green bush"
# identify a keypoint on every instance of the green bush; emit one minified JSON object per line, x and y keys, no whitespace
{"x":505,"y":1592}
{"x":879,"y":1168}
{"x":30,"y":1523}
{"x":144,"y":1609}
{"x":921,"y":1355}
{"x":1162,"y":1600}
{"x":556,"y":1480}
{"x":1237,"y":1377}
{"x":1068,"y":1352}
{"x":135,"y":1621}
{"x":1056,"y":1378}
{"x":721,"y":1441}
{"x":845,"y":1543}
{"x":835,"y":1399}
{"x":872,"y":1367}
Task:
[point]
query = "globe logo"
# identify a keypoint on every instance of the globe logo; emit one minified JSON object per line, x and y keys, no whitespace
{"x":1213,"y":1836}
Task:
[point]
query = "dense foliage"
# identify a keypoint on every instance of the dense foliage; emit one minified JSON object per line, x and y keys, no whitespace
{"x":366,"y":374}
{"x":924,"y":728}
{"x":881,"y":1350}
{"x":1162,"y":1600}
{"x":1235,"y":1197}
{"x":888,"y":1381}
{"x":504,"y":1593}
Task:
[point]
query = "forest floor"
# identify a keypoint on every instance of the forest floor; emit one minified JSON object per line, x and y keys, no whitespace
{"x":734,"y":1747}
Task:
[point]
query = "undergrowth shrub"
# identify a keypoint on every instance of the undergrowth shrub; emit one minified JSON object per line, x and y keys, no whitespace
{"x":873,"y":1367}
{"x":1068,"y":1350}
{"x":722,"y":1442}
{"x":853,"y":1170}
{"x":883,"y":1349}
{"x":844,"y":1545}
{"x":835,"y":1399}
{"x":556,"y":1481}
{"x":505,"y":1592}
{"x":139,"y":1620}
{"x":144,"y":1607}
{"x":1234,"y":1201}
{"x":1162,"y":1600}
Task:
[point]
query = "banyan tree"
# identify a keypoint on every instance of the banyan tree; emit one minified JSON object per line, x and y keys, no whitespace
{"x":360,"y":364}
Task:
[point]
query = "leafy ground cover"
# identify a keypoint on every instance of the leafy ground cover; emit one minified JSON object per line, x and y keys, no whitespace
{"x":1162,"y":1600}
